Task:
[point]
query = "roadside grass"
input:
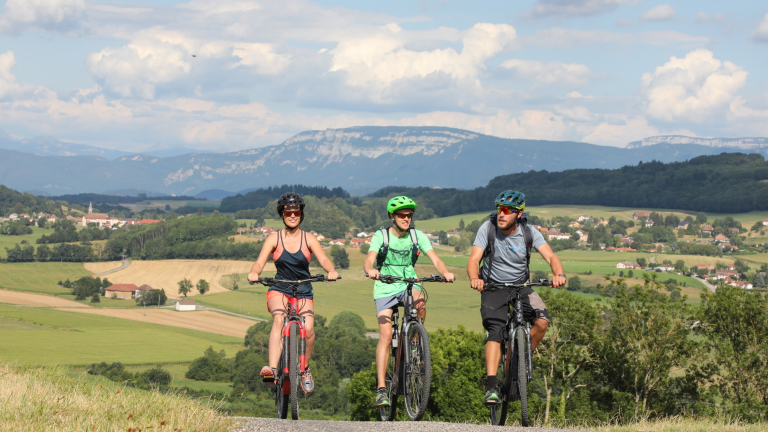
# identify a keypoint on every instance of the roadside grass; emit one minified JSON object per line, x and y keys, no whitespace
{"x":49,"y":398}
{"x":40,"y":277}
{"x":682,"y":424}
{"x":9,"y":241}
{"x":40,"y":336}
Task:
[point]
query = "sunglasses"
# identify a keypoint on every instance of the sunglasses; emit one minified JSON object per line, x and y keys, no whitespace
{"x":404,"y":215}
{"x":507,"y":210}
{"x":291,"y":213}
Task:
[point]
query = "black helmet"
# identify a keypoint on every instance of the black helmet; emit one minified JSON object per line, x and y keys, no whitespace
{"x":290,"y":199}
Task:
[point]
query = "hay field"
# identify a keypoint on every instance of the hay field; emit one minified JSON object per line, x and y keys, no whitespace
{"x":39,"y":277}
{"x":100,"y":267}
{"x":206,"y":321}
{"x":29,"y":299}
{"x":166,"y":274}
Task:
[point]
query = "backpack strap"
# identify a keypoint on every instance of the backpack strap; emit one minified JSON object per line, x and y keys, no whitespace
{"x":415,"y":250}
{"x":381,"y":256}
{"x":528,"y":236}
{"x":491,"y":233}
{"x":490,"y":242}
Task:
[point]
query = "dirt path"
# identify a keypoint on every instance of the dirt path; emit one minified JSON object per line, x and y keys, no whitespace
{"x":252,"y":424}
{"x":30,"y":299}
{"x":104,"y":268}
{"x":206,"y":321}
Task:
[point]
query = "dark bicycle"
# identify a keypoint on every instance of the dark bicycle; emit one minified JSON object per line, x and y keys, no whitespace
{"x":411,"y":366}
{"x":287,"y":383}
{"x":514,"y":373}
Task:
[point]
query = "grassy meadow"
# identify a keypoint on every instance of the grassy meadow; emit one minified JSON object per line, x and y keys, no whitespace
{"x":9,"y":241}
{"x":41,"y":336}
{"x":39,"y":277}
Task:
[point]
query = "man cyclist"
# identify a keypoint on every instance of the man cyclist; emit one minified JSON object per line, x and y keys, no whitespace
{"x":403,"y":246}
{"x":509,"y":264}
{"x":291,"y":250}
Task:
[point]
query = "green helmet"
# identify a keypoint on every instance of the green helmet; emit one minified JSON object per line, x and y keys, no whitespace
{"x":399,"y":203}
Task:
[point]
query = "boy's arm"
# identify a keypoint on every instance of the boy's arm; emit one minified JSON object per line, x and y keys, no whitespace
{"x":440,"y":265}
{"x":368,"y":265}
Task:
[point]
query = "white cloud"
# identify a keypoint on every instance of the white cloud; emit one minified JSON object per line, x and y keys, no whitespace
{"x":617,"y":130}
{"x":9,"y":88}
{"x":561,"y":38}
{"x":545,"y":8}
{"x":663,"y":12}
{"x":701,"y":16}
{"x":57,"y":15}
{"x":157,"y":57}
{"x":695,"y":88}
{"x":571,"y":75}
{"x":761,"y":32}
{"x":380,"y":66}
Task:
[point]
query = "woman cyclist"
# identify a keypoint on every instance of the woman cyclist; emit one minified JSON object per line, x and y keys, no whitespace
{"x":291,"y":249}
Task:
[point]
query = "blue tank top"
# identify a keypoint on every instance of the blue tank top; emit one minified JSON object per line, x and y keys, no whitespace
{"x":292,"y":266}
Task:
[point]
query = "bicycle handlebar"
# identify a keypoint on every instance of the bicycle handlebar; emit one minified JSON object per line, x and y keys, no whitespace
{"x":272,"y":281}
{"x":392,"y":279}
{"x":495,"y":286}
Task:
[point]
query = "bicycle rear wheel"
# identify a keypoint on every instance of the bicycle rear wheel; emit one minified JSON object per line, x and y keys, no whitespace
{"x":522,"y":375}
{"x":293,"y":357}
{"x":504,"y":375}
{"x":281,"y":398}
{"x":418,"y":371}
{"x":392,"y":382}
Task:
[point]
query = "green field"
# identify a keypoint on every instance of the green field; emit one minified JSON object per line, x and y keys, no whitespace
{"x":9,"y":241}
{"x":46,"y":336}
{"x":39,"y":277}
{"x":177,"y":372}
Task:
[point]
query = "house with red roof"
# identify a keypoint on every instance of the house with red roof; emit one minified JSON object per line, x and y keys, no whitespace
{"x":124,"y":291}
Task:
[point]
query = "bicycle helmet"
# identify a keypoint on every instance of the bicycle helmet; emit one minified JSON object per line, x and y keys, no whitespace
{"x":290,"y":199}
{"x":511,"y":198}
{"x":399,"y":203}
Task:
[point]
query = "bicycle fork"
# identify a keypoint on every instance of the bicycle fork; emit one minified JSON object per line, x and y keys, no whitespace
{"x":302,"y":345}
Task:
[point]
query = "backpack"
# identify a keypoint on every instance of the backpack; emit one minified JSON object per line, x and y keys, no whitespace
{"x":381,"y":256}
{"x":488,"y":253}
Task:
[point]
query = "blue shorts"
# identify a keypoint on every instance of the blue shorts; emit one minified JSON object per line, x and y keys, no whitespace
{"x":384,"y":303}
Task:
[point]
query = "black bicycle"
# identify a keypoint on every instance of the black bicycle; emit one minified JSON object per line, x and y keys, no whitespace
{"x":514,"y":373}
{"x":410,"y":363}
{"x":287,"y":383}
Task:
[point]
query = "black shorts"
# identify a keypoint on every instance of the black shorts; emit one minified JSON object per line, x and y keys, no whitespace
{"x":493,"y":309}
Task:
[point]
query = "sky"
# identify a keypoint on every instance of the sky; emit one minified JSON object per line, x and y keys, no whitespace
{"x":226,"y":75}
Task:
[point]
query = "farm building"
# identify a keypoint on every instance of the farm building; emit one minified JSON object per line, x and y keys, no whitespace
{"x":628,"y":265}
{"x":186,"y":305}
{"x":123,"y":291}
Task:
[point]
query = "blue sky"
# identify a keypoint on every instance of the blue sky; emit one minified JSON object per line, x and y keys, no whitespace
{"x":235,"y":74}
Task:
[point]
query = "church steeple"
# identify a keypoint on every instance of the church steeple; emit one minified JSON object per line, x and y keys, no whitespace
{"x":90,"y":207}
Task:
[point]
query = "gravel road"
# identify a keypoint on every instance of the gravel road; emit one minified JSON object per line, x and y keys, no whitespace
{"x":251,"y":424}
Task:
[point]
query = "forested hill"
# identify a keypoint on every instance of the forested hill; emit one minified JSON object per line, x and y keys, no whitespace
{"x":259,"y":198}
{"x":729,"y":182}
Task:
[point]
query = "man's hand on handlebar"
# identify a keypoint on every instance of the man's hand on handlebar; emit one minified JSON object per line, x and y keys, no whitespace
{"x":373,"y":274}
{"x":558,"y":281}
{"x":477,"y":284}
{"x":332,"y":276}
{"x":449,"y":277}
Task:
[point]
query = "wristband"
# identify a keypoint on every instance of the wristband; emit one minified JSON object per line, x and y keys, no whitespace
{"x":562,"y":275}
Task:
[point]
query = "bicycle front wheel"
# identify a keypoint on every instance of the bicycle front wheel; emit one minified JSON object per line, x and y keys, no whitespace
{"x":281,"y":396}
{"x":504,"y":375}
{"x":293,"y":356}
{"x":418,"y":371}
{"x":522,"y":374}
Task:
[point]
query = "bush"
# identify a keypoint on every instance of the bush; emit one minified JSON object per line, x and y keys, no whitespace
{"x":212,"y":366}
{"x":340,"y":257}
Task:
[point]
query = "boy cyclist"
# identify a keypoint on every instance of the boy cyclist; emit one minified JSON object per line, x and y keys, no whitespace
{"x":403,"y":246}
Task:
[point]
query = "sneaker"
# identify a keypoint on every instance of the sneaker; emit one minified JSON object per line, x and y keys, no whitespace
{"x":492,"y":397}
{"x":307,"y":383}
{"x":268,"y":375}
{"x":382,"y":400}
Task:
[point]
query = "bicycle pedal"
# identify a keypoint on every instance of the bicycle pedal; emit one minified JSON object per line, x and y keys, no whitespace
{"x":269,"y":381}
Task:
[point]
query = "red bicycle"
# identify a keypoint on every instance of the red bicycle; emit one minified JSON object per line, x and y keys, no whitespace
{"x":287,"y":383}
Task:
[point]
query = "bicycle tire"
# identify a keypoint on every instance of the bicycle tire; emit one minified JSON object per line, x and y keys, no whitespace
{"x":522,"y":376}
{"x":281,"y":399}
{"x":392,"y":383}
{"x":418,"y":371}
{"x":504,"y":375}
{"x":293,"y":358}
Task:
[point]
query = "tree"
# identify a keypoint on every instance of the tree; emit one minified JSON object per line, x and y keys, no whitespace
{"x":167,"y":207}
{"x":574,"y":283}
{"x":185,"y":286}
{"x":680,"y":265}
{"x":701,"y":218}
{"x":203,"y":286}
{"x":95,"y":298}
{"x":364,"y":248}
{"x":568,"y":350}
{"x":340,"y":257}
{"x":461,"y":224}
{"x":152,"y":297}
{"x":630,"y":274}
{"x":759,"y":280}
{"x":741,"y":266}
{"x":757,"y":226}
{"x":642,"y":262}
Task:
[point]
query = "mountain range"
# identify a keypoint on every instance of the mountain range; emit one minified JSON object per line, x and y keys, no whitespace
{"x":358,"y":159}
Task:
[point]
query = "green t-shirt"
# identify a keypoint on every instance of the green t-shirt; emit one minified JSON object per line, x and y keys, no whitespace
{"x":398,"y":261}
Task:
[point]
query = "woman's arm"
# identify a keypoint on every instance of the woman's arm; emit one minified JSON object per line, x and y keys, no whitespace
{"x":269,"y":246}
{"x":322,"y":258}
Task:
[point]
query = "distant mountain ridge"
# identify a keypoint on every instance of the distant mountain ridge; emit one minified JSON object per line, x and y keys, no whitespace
{"x":358,"y":159}
{"x":741,"y":143}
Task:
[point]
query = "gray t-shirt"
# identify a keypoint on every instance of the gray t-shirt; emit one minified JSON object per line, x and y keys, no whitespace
{"x":509,"y":264}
